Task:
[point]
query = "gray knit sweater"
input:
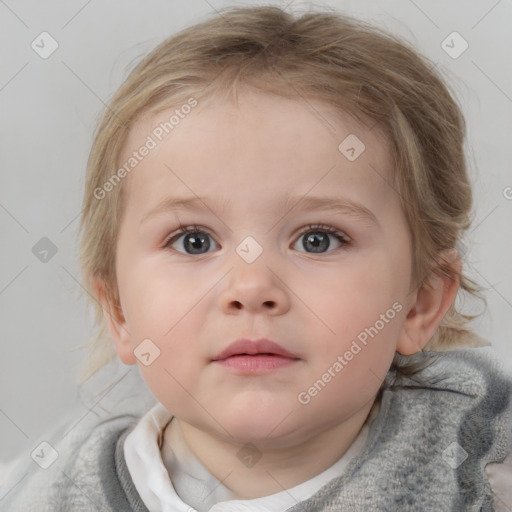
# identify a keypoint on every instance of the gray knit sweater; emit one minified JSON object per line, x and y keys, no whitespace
{"x":426,"y":451}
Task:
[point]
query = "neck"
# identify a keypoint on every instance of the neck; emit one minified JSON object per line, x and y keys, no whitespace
{"x":267,"y":470}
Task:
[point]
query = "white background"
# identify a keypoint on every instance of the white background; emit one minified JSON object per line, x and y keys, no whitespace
{"x":49,"y":108}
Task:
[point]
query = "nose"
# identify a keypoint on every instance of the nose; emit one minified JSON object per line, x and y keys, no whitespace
{"x":255,"y":288}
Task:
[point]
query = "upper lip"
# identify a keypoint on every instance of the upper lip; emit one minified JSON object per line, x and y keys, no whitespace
{"x":252,"y":347}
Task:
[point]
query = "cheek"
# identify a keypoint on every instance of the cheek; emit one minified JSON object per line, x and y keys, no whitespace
{"x":166,"y":382}
{"x":355,"y":295}
{"x":154,"y":300}
{"x":350,"y":370}
{"x":362,"y":313}
{"x":173,"y":375}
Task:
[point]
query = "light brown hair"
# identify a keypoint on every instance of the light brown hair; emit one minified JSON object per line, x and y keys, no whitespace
{"x":357,"y":68}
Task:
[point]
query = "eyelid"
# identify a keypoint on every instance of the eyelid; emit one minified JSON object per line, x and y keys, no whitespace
{"x":331,"y":230}
{"x":183,"y":230}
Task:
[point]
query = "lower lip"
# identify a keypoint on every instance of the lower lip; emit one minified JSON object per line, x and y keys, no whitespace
{"x":259,"y":363}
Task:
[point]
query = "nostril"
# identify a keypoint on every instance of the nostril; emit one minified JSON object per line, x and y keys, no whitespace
{"x":270,"y":304}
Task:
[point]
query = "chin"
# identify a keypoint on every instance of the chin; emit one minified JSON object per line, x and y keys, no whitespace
{"x":255,"y":421}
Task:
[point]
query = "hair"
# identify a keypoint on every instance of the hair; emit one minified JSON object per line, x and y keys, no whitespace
{"x":359,"y":69}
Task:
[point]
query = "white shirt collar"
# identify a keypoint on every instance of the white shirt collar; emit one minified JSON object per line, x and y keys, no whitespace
{"x":192,"y":484}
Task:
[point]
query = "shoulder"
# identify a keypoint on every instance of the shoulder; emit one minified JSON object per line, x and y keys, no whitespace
{"x":467,"y":387}
{"x":469,"y":394}
{"x":474,"y":373}
{"x":66,"y":474}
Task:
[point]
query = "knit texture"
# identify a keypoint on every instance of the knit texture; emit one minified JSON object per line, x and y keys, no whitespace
{"x":426,"y":451}
{"x":410,"y":461}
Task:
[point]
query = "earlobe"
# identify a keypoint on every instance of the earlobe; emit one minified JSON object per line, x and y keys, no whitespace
{"x":116,"y":324}
{"x":428,"y":308}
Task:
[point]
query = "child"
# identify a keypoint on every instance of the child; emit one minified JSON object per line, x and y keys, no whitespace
{"x":311,"y":357}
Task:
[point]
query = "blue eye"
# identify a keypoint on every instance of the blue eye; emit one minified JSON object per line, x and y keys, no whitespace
{"x":317,"y":238}
{"x":195,"y":241}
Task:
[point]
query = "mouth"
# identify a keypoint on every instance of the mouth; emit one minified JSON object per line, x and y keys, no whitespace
{"x":251,"y":357}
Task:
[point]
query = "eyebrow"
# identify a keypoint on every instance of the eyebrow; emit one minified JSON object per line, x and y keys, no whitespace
{"x":287,"y":204}
{"x":333,"y":204}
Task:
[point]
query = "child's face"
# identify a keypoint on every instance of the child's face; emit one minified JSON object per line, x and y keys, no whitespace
{"x":240,"y":163}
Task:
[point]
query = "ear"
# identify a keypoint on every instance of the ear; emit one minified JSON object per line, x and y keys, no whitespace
{"x":428,"y":307}
{"x":116,"y":323}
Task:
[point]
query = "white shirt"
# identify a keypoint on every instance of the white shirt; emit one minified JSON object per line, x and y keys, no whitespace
{"x":193,"y":488}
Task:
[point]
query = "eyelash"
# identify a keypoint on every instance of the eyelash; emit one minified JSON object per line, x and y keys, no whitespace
{"x":342,"y":238}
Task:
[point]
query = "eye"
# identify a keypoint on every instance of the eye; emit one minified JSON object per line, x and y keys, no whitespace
{"x":190,"y":240}
{"x":317,"y":238}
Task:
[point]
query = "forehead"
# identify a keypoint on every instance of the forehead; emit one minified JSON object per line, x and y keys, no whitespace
{"x":255,"y":151}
